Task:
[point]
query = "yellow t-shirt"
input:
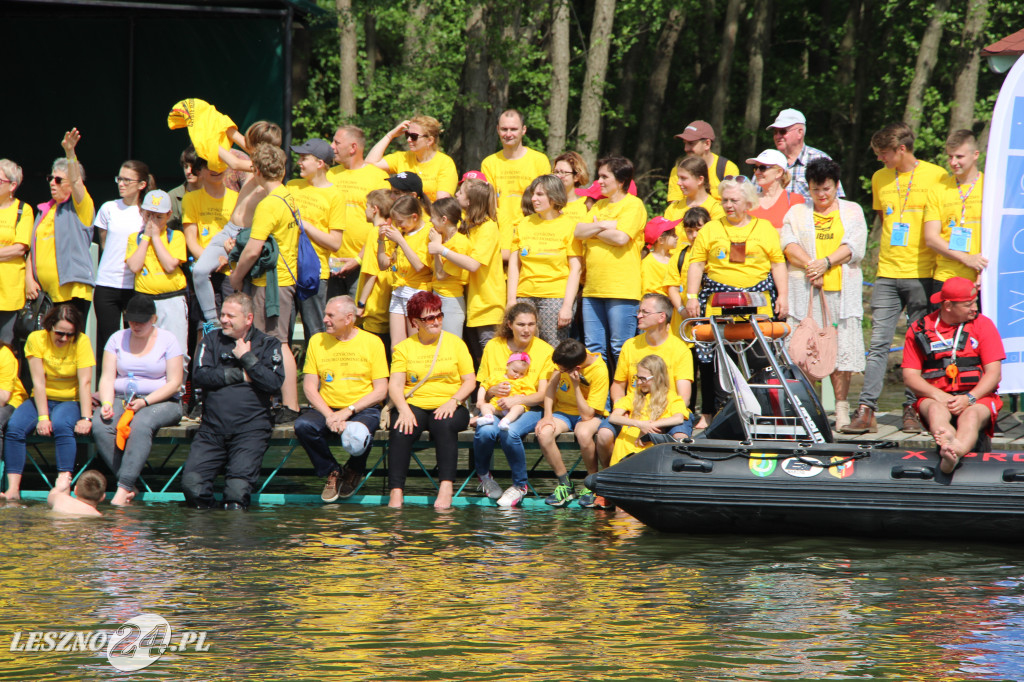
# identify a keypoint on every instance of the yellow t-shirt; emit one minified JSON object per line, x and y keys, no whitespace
{"x":952,"y":205}
{"x":485,"y":290}
{"x":900,"y":206}
{"x":207,"y":128}
{"x":576,"y":209}
{"x":510,"y":178}
{"x":762,"y":250}
{"x":209,"y":214}
{"x":544,"y":248}
{"x":12,"y":271}
{"x":612,"y":270}
{"x":61,"y":365}
{"x":455,"y":284}
{"x":652,"y":274}
{"x":9,"y":380}
{"x":677,"y":209}
{"x":273,"y":217}
{"x":324,"y":208}
{"x":828,"y":235}
{"x":520,"y":386}
{"x":403,"y":271}
{"x":496,"y":354}
{"x":153,"y":279}
{"x":46,"y":255}
{"x":596,"y":393}
{"x":375,"y":316}
{"x":346,"y":369}
{"x":354,"y":185}
{"x":438,"y":174}
{"x":675,"y":194}
{"x":625,"y":442}
{"x":674,"y":352}
{"x":414,"y":359}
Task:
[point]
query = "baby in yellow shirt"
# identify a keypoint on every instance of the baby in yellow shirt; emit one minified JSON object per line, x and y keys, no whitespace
{"x":516,"y":369}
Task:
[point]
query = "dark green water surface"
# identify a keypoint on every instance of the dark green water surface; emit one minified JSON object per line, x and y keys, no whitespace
{"x":361,"y":593}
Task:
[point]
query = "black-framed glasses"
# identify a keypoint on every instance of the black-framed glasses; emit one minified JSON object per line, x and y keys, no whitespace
{"x":63,"y":335}
{"x":431,"y":318}
{"x":55,"y":178}
{"x":412,"y":137}
{"x":561,"y":173}
{"x":118,"y":179}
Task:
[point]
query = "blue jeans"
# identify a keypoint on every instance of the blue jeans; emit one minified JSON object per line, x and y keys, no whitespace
{"x":511,"y":443}
{"x":63,"y":416}
{"x":607,"y":324}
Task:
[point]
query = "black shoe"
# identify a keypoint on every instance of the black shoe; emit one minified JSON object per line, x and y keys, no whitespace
{"x":285,"y":415}
{"x":235,"y":506}
{"x":350,"y":479}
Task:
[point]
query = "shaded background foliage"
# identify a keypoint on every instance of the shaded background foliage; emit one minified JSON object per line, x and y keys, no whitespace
{"x":849,"y":65}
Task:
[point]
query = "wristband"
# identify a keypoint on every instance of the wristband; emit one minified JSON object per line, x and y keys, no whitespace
{"x":444,"y":252}
{"x":144,"y":237}
{"x":360,"y":304}
{"x":691,"y":297}
{"x":828,"y":263}
{"x":43,"y":418}
{"x":86,"y":419}
{"x":107,"y":403}
{"x":145,"y":400}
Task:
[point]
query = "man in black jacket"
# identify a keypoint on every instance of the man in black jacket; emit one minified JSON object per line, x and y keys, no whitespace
{"x":240,"y":368}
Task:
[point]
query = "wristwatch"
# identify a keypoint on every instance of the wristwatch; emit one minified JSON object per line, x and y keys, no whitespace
{"x":352,"y":408}
{"x":971,"y":399}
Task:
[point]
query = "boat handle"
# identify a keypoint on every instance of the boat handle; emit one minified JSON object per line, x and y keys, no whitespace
{"x":924,"y":473}
{"x":1011,"y":475}
{"x":701,"y":465}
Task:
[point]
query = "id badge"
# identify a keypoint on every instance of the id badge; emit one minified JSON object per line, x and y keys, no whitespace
{"x":941,"y":345}
{"x":900,"y":234}
{"x":960,"y":239}
{"x":738,"y":252}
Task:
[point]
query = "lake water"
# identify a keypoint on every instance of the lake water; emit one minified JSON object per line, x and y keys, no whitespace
{"x":345,"y":592}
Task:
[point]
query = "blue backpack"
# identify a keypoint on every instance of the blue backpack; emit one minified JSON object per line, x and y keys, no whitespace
{"x":308,"y":281}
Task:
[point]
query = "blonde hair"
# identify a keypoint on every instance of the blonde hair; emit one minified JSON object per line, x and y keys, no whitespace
{"x":407,"y":206}
{"x":263,"y":132}
{"x":270,"y":161}
{"x":11,"y":171}
{"x":483,"y":203}
{"x":747,"y":191}
{"x":652,"y":405}
{"x":382,"y":200}
{"x":431,"y":127}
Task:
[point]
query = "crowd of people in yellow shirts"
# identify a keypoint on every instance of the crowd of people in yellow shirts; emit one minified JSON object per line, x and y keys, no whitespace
{"x":556,"y":299}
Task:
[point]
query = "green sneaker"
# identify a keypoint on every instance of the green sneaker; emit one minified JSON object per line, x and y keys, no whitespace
{"x":563,"y":495}
{"x":586,"y":498}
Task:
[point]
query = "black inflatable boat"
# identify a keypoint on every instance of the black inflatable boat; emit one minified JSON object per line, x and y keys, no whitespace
{"x":768,"y":464}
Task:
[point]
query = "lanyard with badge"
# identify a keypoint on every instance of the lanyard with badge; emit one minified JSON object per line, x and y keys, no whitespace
{"x":900,"y":235}
{"x":959,"y":235}
{"x":738,"y":250}
{"x":952,"y":371}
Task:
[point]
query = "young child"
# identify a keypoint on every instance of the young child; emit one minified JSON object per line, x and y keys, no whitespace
{"x":373,"y":294}
{"x":449,"y":249}
{"x":661,"y":238}
{"x":406,"y":257}
{"x":516,"y":369}
{"x":90,"y":490}
{"x":652,"y":407}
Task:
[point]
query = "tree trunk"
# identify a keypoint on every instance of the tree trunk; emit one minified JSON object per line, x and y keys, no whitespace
{"x":372,"y":54}
{"x":558,"y":107}
{"x":418,"y":11}
{"x":926,"y":57}
{"x":855,"y":141}
{"x":654,"y":101}
{"x":965,"y":87}
{"x":719,"y":98}
{"x":471,"y":115}
{"x":760,"y":35}
{"x":348,"y":44}
{"x":626,"y":76}
{"x":589,"y":134}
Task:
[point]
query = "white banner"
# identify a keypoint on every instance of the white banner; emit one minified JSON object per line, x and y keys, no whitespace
{"x":1002,"y":214}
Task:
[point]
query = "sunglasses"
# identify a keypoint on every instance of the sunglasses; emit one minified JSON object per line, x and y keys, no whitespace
{"x":63,"y":335}
{"x":431,"y":318}
{"x":56,"y":179}
{"x":412,"y":137}
{"x":760,"y":168}
{"x":738,"y":178}
{"x":5,"y":181}
{"x":119,"y":179}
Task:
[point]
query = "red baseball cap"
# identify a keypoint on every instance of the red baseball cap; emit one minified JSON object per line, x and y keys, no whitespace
{"x":956,"y":289}
{"x":473,"y":175}
{"x":658,"y":226}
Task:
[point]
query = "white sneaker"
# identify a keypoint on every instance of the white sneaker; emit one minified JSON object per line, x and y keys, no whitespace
{"x":512,"y":496}
{"x":504,"y":425}
{"x":490,"y":487}
{"x":485,"y":419}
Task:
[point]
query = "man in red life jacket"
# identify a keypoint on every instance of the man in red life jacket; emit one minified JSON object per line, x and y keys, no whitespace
{"x":952,"y":360}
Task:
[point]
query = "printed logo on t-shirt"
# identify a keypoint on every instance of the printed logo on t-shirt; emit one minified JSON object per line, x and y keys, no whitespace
{"x":329,"y":376}
{"x":564,"y":386}
{"x":720,"y":255}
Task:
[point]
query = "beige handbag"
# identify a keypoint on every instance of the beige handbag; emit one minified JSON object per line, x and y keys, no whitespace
{"x":814,"y":348}
{"x":389,"y":406}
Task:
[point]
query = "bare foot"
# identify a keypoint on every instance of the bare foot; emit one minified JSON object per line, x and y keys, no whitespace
{"x":11,"y":495}
{"x":123,"y":497}
{"x":397,"y":496}
{"x":704,"y":421}
{"x":444,"y":496}
{"x":950,"y":457}
{"x":942,"y":435}
{"x":63,"y":482}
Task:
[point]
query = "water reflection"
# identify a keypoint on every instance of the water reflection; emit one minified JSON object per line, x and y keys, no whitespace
{"x":357,"y":593}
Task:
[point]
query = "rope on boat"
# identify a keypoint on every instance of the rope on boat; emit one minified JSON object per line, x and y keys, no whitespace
{"x":802,"y":455}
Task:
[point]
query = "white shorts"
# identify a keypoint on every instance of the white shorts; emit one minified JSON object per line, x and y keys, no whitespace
{"x":400,"y":299}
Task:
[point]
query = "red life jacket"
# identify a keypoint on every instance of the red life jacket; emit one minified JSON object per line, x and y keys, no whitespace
{"x":938,"y":352}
